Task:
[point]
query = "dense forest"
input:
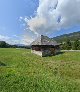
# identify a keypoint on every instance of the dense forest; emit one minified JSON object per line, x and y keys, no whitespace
{"x":69,"y":41}
{"x":70,"y":45}
{"x":71,"y":36}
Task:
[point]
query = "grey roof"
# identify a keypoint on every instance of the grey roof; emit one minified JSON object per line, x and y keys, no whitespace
{"x":44,"y":40}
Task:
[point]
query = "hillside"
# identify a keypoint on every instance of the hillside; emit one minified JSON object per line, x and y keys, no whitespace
{"x":71,"y":36}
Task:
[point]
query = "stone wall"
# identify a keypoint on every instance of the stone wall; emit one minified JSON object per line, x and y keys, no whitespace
{"x":42,"y":53}
{"x":37,"y":52}
{"x":46,"y":53}
{"x":57,"y":51}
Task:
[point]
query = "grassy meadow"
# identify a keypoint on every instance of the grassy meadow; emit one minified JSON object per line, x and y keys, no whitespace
{"x":21,"y":71}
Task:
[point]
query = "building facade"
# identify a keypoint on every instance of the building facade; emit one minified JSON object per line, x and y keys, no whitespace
{"x":45,"y":46}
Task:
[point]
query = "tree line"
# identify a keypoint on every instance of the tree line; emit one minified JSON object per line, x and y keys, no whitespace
{"x":70,"y":45}
{"x":3,"y":44}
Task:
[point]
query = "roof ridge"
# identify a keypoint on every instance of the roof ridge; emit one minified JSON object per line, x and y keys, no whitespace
{"x":44,"y":40}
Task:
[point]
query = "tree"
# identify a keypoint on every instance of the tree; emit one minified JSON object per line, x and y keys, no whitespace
{"x":68,"y":45}
{"x":2,"y":44}
{"x":76,"y":45}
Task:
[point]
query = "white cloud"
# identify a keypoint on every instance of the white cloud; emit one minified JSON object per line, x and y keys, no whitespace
{"x":52,"y":15}
{"x":11,"y":40}
{"x":26,"y":40}
{"x":28,"y":37}
{"x":4,"y":38}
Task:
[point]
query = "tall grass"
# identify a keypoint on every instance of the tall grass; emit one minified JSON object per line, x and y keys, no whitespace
{"x":21,"y":71}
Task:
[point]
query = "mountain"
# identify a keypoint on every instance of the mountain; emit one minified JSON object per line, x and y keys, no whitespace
{"x":20,"y":44}
{"x":23,"y":46}
{"x":71,"y":36}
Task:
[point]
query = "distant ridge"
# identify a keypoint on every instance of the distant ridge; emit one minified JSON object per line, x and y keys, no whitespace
{"x":20,"y":44}
{"x":71,"y":36}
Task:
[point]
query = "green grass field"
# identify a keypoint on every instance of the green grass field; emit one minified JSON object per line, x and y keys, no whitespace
{"x":21,"y":71}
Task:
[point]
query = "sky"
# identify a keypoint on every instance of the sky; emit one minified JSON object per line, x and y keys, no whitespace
{"x":22,"y":21}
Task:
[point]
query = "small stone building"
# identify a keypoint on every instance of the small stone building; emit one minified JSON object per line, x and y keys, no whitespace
{"x":45,"y":46}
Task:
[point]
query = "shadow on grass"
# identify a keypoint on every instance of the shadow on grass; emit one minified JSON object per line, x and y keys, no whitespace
{"x":54,"y":54}
{"x":2,"y":64}
{"x":60,"y":53}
